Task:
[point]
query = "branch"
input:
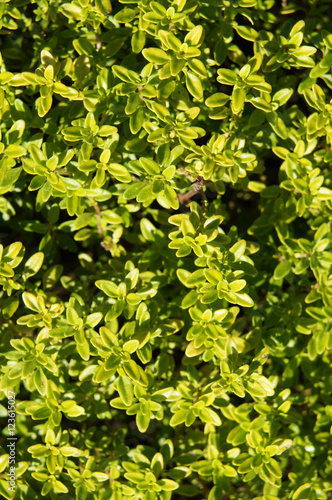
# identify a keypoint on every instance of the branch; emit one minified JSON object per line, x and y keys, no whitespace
{"x":197,"y":186}
{"x":98,"y":214}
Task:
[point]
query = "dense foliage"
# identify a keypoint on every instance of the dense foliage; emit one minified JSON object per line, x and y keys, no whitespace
{"x":166,"y":286}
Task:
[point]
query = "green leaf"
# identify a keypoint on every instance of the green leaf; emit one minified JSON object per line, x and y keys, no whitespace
{"x":260,"y":103}
{"x":138,"y":41}
{"x":143,"y":421}
{"x":31,"y":301}
{"x":146,"y":194}
{"x":176,"y":66}
{"x":40,"y":381}
{"x":133,"y":190}
{"x":125,"y":15}
{"x":244,"y":300}
{"x":83,"y":350}
{"x":196,"y":278}
{"x":195,"y":35}
{"x":273,"y":468}
{"x":59,"y":487}
{"x":282,"y":96}
{"x":119,"y":172}
{"x":237,"y":285}
{"x":8,"y":180}
{"x":277,"y":124}
{"x":52,"y":276}
{"x":303,"y":492}
{"x":9,"y":307}
{"x":160,"y":110}
{"x":238,"y":99}
{"x":133,"y":103}
{"x":107,"y":130}
{"x":237,"y":436}
{"x":156,"y":56}
{"x":168,"y":198}
{"x":11,"y":252}
{"x":136,"y":121}
{"x":33,"y":264}
{"x":108,"y":287}
{"x":131,"y":346}
{"x":14,"y":151}
{"x":178,"y":418}
{"x":238,"y":250}
{"x":82,"y":67}
{"x":226,"y":76}
{"x":170,"y":40}
{"x":125,"y":389}
{"x":135,"y":372}
{"x":93,"y":319}
{"x":44,"y":104}
{"x":124,"y":74}
{"x":246,"y":32}
{"x":5,"y":77}
{"x":6,"y":270}
{"x":168,"y":484}
{"x":282,"y":269}
{"x":217,"y":100}
{"x":150,"y":166}
{"x":213,"y":276}
{"x":198,"y":67}
{"x":194,"y":85}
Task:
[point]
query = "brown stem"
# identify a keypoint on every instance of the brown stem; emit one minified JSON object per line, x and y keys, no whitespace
{"x":98,"y":214}
{"x":197,"y":186}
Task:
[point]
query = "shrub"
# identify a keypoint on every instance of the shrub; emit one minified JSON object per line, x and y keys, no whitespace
{"x":166,"y":287}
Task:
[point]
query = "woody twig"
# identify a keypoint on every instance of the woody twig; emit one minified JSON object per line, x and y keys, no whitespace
{"x":196,"y":187}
